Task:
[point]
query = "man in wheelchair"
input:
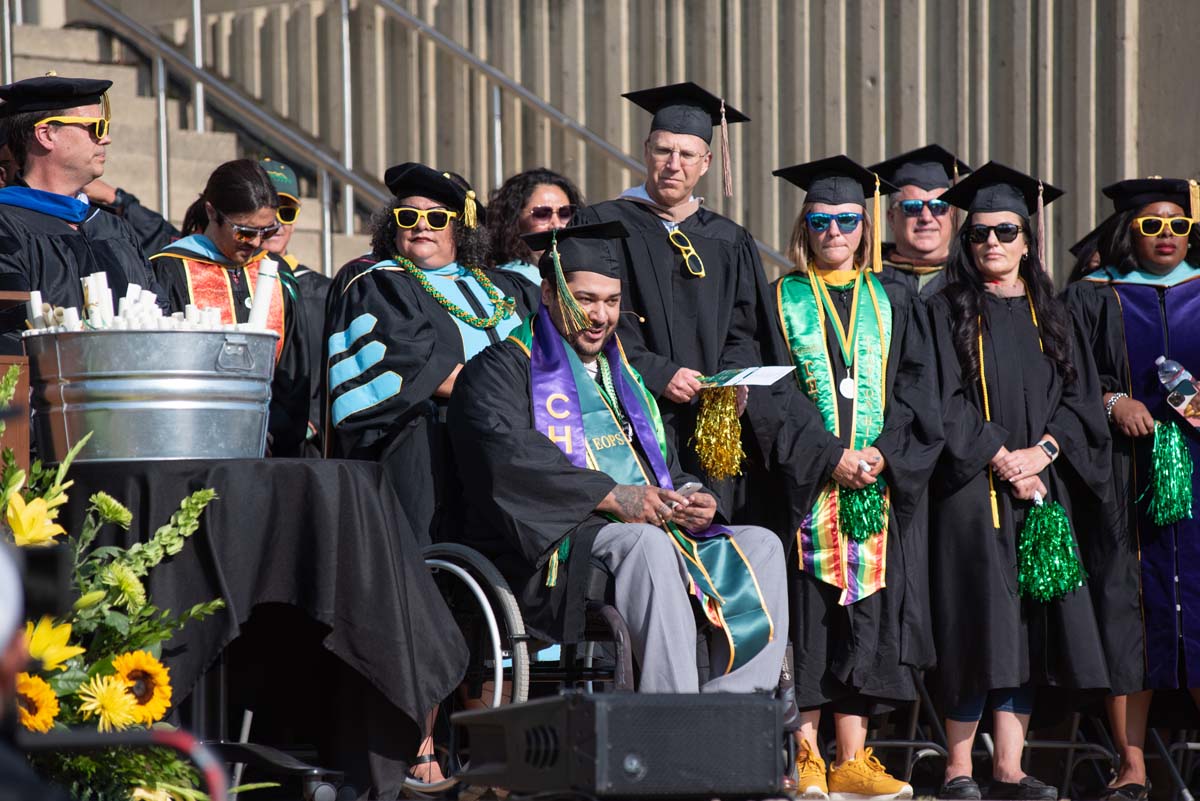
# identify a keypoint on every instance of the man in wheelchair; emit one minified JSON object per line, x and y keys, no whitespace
{"x":566,"y":467}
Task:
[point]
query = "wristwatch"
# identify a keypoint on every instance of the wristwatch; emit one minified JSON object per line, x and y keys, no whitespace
{"x":1050,"y":449}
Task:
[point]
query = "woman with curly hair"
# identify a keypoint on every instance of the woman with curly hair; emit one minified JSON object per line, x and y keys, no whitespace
{"x":1023,"y":428}
{"x":529,"y":202}
{"x":399,"y":331}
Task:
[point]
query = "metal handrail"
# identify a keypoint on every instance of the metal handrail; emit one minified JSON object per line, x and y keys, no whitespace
{"x":556,"y":116}
{"x":292,"y":144}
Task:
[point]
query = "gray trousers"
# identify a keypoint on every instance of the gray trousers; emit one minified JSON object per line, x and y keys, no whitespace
{"x":651,"y":594}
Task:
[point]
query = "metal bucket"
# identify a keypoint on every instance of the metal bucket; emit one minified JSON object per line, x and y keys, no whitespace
{"x":151,"y":394}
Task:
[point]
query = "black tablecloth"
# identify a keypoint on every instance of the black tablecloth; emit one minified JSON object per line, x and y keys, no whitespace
{"x":328,"y":537}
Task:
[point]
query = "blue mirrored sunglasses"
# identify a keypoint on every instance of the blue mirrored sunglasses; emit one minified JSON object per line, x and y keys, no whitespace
{"x":847,"y":221}
{"x":912,"y":208}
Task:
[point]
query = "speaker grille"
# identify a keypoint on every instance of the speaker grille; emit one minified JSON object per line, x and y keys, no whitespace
{"x":541,"y":747}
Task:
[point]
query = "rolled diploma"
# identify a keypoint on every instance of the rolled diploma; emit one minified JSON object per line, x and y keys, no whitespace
{"x":264,"y":290}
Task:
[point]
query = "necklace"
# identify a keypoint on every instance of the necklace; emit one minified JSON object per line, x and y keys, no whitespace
{"x":504,"y":306}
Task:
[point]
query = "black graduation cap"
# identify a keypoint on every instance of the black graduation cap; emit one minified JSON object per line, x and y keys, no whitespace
{"x":581,"y":248}
{"x":996,"y":187}
{"x":51,"y":93}
{"x":1090,"y":239}
{"x":929,"y":167}
{"x":687,"y":108}
{"x":481,"y":209}
{"x":835,"y":180}
{"x":411,"y":179}
{"x":1138,"y":192}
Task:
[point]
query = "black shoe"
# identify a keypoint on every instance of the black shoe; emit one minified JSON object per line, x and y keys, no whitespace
{"x":1028,"y":789}
{"x":962,"y":788}
{"x":1127,"y":792}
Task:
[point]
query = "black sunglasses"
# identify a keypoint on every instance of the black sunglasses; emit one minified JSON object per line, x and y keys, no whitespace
{"x":1005,"y":232}
{"x":912,"y":208}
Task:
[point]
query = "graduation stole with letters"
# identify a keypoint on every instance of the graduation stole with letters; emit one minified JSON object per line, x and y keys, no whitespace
{"x":827,"y":547}
{"x":572,"y":411}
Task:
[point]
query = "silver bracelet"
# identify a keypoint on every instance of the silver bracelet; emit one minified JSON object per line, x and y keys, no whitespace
{"x":1112,"y":402}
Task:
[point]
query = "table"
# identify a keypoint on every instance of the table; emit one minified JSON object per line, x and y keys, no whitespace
{"x":328,"y":537}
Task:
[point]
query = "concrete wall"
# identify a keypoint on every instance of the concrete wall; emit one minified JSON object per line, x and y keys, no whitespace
{"x":1081,"y":92}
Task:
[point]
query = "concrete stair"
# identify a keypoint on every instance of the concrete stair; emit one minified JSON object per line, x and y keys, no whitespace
{"x":132,"y":159}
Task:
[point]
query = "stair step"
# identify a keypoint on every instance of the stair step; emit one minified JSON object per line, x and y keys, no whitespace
{"x":306,"y":246}
{"x":182,"y":144}
{"x":126,"y":80}
{"x":59,"y":44}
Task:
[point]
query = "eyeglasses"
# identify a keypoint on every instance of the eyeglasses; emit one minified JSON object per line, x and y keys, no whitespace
{"x":819,"y":221}
{"x":287,"y":215}
{"x":436,"y":219}
{"x":98,"y":125}
{"x":1005,"y":232}
{"x":543,"y":213}
{"x":687,"y":157}
{"x":912,"y":208}
{"x":1153,"y":226}
{"x":691,"y":259}
{"x":248,"y":233}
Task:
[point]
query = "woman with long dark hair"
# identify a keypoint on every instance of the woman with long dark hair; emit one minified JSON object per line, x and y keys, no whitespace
{"x":401,"y":328}
{"x":216,"y":265}
{"x":1142,"y":304}
{"x":529,"y":202}
{"x":1010,"y":612}
{"x":859,"y":619}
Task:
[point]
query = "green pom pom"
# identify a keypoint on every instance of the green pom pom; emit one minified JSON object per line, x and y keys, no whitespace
{"x":1170,"y":486}
{"x":1047,"y":565}
{"x":862,"y":513}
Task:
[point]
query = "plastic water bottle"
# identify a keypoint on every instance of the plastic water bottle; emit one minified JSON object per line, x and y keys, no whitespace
{"x":1171,"y":373}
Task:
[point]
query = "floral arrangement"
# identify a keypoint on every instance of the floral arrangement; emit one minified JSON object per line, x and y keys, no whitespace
{"x":100,"y":664}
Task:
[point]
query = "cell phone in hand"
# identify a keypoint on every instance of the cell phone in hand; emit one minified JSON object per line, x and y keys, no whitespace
{"x":687,"y":490}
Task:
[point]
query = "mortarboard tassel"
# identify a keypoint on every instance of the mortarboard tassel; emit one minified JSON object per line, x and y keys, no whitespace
{"x":470,"y":215}
{"x":574,"y":318}
{"x":1194,"y":198}
{"x":718,"y":436}
{"x":1170,"y":486}
{"x":726,"y":167}
{"x":1048,"y":566}
{"x":1041,"y":228}
{"x":877,"y":233}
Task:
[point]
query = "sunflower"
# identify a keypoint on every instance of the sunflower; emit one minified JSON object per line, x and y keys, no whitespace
{"x":106,"y":698}
{"x":148,"y":682}
{"x":37,"y":707}
{"x":48,"y":643}
{"x":32,"y":523}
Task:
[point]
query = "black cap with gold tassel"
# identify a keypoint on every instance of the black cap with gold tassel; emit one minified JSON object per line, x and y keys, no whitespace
{"x":581,"y":248}
{"x":416,"y":180}
{"x":687,"y":108}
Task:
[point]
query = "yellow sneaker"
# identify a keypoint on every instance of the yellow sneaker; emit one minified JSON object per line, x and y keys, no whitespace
{"x":810,"y":774}
{"x":865,"y":779}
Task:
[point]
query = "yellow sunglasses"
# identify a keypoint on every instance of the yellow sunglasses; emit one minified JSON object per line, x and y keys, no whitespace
{"x":99,"y":125}
{"x":1153,"y":226}
{"x":691,"y":259}
{"x":287,"y":215}
{"x":436,"y":219}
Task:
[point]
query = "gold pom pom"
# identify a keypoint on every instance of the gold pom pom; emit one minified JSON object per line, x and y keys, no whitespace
{"x":718,"y":437}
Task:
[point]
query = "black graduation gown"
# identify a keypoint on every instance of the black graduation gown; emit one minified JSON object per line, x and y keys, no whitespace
{"x":525,"y":495}
{"x":44,"y":253}
{"x":987,"y":636}
{"x":1112,"y":563}
{"x":314,"y":292}
{"x":709,"y":324}
{"x":898,"y":271}
{"x":153,"y":231}
{"x":405,"y":429}
{"x":869,"y":648}
{"x":287,"y":418}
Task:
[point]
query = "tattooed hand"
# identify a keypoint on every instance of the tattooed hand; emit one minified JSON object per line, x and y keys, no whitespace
{"x":642,"y":504}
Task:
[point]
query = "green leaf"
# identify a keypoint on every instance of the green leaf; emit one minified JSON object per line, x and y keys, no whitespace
{"x":118,"y":621}
{"x":67,"y":682}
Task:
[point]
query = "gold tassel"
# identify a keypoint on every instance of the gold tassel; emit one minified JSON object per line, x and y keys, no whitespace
{"x":995,"y":505}
{"x":470,"y":215}
{"x":574,"y":318}
{"x":877,"y":233}
{"x":1041,"y":228}
{"x":718,"y":436}
{"x":1194,"y":198}
{"x":726,"y":167}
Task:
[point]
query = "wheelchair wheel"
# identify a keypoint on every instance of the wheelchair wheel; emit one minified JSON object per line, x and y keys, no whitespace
{"x":486,"y":610}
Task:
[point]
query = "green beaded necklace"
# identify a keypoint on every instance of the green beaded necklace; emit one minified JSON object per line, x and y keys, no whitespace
{"x":504,"y":306}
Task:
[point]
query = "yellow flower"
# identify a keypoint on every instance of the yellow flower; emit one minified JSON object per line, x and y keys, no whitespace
{"x":143,"y":794}
{"x":36,"y":705}
{"x":48,"y":643}
{"x":106,"y":698}
{"x":148,"y":682}
{"x":32,"y":524}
